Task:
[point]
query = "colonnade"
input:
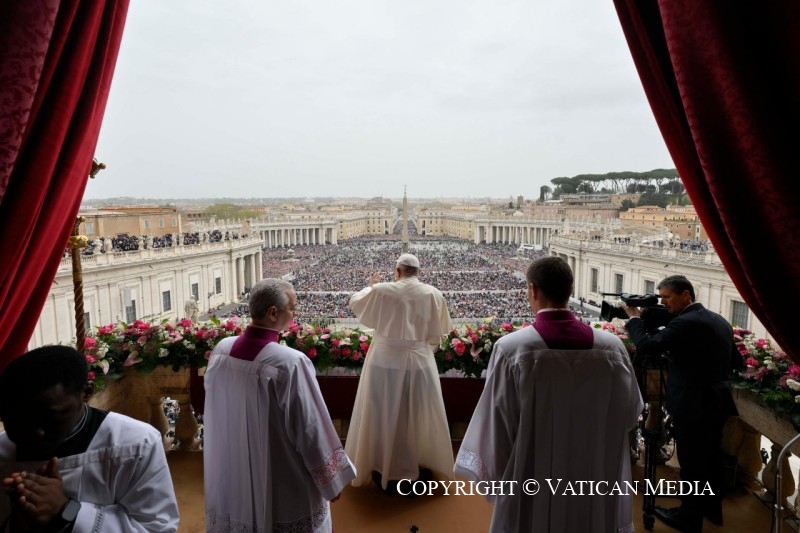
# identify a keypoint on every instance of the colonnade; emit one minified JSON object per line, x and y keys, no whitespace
{"x":248,"y":271}
{"x":513,"y":233}
{"x":295,"y":235}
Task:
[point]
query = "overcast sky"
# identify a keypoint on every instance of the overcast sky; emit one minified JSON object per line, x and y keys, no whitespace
{"x":361,"y":97}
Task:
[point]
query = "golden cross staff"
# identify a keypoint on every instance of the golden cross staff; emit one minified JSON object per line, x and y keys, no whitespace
{"x":77,"y":242}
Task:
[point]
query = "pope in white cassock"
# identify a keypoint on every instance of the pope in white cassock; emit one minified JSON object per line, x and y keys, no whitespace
{"x":272,"y":458}
{"x":559,"y":401}
{"x":399,"y":425}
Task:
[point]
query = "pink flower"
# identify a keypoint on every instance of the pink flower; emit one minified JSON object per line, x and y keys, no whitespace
{"x":346,"y":352}
{"x":312,"y":353}
{"x":90,"y":359}
{"x":105,"y":330}
{"x":475,"y":351}
{"x":752,"y":362}
{"x":363,"y":338}
{"x":448,"y":356}
{"x":207,"y":355}
{"x":793,"y":371}
{"x":459,"y":347}
{"x":364,"y":347}
{"x":89,"y":342}
{"x":356,"y":356}
{"x":90,"y":375}
{"x":185,"y":323}
{"x":142,"y":339}
{"x":335,"y":342}
{"x":506,"y":326}
{"x":132,"y":359}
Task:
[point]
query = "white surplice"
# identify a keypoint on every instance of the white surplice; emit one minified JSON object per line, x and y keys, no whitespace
{"x":122,"y":480}
{"x":399,"y":423}
{"x":562,"y":415}
{"x":272,"y":457}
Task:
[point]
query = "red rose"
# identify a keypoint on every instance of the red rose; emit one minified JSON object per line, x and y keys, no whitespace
{"x":312,"y":353}
{"x":364,"y":347}
{"x":459,"y":348}
{"x":346,"y":352}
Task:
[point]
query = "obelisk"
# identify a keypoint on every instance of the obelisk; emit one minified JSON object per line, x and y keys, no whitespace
{"x":405,"y":221}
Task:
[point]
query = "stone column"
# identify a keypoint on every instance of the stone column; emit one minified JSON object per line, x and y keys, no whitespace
{"x":240,"y":275}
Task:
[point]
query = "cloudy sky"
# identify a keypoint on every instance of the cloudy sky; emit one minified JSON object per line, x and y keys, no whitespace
{"x":361,"y":97}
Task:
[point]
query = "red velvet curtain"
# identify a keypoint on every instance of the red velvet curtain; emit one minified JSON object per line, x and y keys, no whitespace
{"x":723,"y":81}
{"x":57,"y":59}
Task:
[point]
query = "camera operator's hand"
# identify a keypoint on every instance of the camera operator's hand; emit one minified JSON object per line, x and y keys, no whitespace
{"x":631,"y":311}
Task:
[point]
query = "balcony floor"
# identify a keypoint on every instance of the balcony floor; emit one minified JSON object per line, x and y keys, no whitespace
{"x":366,"y":509}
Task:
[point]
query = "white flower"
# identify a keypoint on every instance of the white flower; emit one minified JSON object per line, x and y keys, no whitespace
{"x":189,"y":345}
{"x":163,"y":352}
{"x":795,"y":386}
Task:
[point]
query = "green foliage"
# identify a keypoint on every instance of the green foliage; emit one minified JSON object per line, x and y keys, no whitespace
{"x":650,"y":198}
{"x":230,"y":211}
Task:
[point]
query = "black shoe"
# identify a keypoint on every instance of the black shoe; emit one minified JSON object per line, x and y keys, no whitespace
{"x":425,"y":475}
{"x":677,"y":518}
{"x":391,"y":486}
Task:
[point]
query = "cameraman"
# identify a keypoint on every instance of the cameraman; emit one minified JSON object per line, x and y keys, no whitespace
{"x":700,"y":351}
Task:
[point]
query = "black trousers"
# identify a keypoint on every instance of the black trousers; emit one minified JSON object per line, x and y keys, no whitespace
{"x":702,"y":461}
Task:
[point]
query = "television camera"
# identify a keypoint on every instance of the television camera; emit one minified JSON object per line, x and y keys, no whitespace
{"x":654,"y":315}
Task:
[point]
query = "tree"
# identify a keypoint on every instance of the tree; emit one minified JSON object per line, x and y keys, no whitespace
{"x":230,"y":211}
{"x":544,"y":191}
{"x":659,"y":199}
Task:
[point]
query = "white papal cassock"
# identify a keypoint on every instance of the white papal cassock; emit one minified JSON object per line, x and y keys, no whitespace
{"x":399,"y":422}
{"x":272,"y":457}
{"x":562,"y":415}
{"x":122,"y":479}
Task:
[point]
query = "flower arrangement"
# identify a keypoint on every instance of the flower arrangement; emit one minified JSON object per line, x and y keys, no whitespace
{"x":768,"y":372}
{"x":468,"y":348}
{"x":618,"y":329}
{"x":145,"y":346}
{"x":325,"y":347}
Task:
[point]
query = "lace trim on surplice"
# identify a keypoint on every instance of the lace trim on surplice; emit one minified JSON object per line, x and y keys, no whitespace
{"x":326,"y":473}
{"x":223,"y":523}
{"x":472,"y":461}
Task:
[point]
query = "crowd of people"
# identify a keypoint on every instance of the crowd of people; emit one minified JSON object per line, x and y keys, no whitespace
{"x":129,"y":243}
{"x":478,"y":280}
